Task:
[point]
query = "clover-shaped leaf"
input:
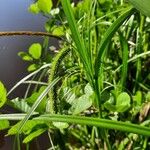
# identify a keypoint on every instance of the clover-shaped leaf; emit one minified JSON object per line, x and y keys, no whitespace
{"x":3,"y":94}
{"x":45,"y":5}
{"x":35,"y":50}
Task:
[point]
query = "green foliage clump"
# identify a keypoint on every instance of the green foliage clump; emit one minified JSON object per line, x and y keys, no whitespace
{"x":91,"y":85}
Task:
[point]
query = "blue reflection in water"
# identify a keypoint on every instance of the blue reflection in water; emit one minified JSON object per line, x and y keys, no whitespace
{"x":14,"y":16}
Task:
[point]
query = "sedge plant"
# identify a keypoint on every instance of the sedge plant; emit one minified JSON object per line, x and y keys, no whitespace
{"x":95,"y":86}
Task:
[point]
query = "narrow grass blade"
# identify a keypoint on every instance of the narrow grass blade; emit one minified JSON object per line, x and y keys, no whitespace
{"x":27,"y":77}
{"x":37,"y":102}
{"x":12,"y":116}
{"x":138,"y":63}
{"x":133,"y":59}
{"x":103,"y":123}
{"x":107,"y":38}
{"x":35,"y":82}
{"x":83,"y":53}
{"x":125,"y":49}
{"x":143,"y":6}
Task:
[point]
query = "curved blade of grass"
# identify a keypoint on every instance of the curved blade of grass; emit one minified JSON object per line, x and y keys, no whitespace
{"x":98,"y":20}
{"x":139,"y":40}
{"x":103,"y":123}
{"x":12,"y":116}
{"x":37,"y":102}
{"x":35,"y":82}
{"x":139,"y":49}
{"x":83,"y":54}
{"x":133,"y":59}
{"x":142,"y":6}
{"x":107,"y":38}
{"x":27,"y":77}
{"x":125,"y":49}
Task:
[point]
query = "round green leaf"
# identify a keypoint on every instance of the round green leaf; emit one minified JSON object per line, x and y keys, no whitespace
{"x":35,"y":50}
{"x":58,"y":31}
{"x":123,"y":98}
{"x":33,"y":8}
{"x":32,"y":67}
{"x":81,"y":104}
{"x":45,"y":5}
{"x":123,"y":102}
{"x":25,"y":56}
{"x":2,"y":94}
{"x":4,"y":124}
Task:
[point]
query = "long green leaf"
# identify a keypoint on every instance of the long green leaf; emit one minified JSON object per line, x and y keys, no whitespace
{"x":77,"y":39}
{"x":125,"y":49}
{"x":37,"y":102}
{"x":133,"y":59}
{"x":27,"y":77}
{"x":30,"y":126}
{"x":142,"y":5}
{"x":107,"y":38}
{"x":103,"y":123}
{"x":12,"y":116}
{"x":33,"y":135}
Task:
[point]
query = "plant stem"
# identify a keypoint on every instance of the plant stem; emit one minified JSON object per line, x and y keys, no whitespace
{"x":139,"y":50}
{"x":28,"y":33}
{"x":98,"y":102}
{"x":106,"y":139}
{"x":103,"y":123}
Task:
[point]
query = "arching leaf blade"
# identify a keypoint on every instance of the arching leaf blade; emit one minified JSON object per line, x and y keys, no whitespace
{"x":142,"y":6}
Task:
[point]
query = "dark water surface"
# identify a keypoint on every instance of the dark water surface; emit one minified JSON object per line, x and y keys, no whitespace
{"x":14,"y":16}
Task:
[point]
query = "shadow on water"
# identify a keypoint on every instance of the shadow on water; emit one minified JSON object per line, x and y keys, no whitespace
{"x":15,"y":17}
